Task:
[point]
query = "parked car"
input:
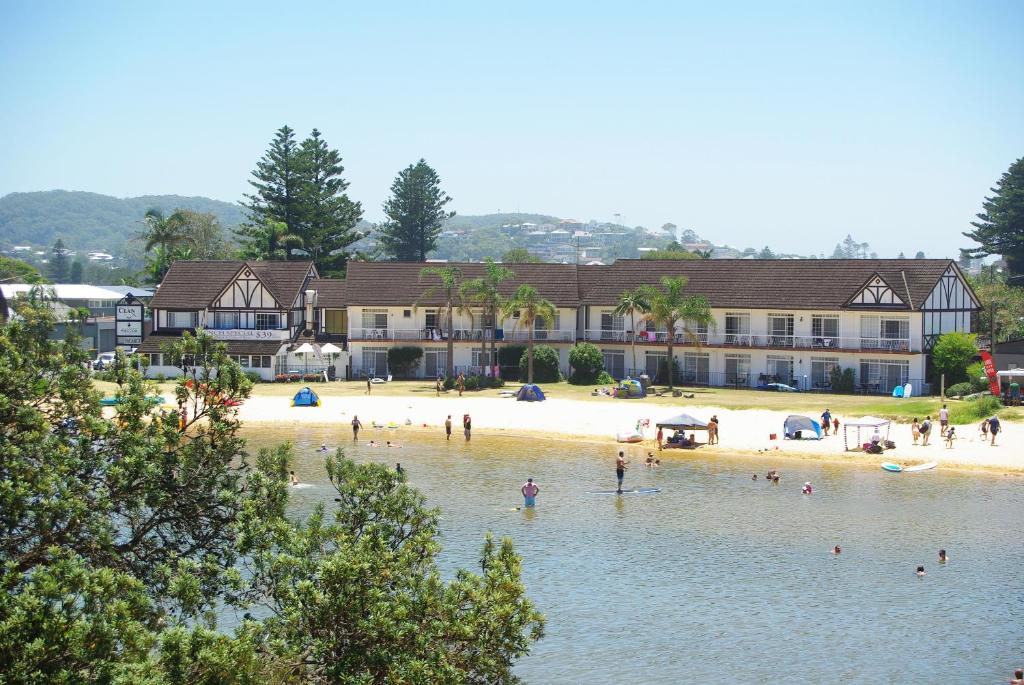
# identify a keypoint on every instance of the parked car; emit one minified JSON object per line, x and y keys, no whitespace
{"x":104,"y":361}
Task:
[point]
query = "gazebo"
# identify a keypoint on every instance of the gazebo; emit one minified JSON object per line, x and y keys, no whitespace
{"x":865,"y":422}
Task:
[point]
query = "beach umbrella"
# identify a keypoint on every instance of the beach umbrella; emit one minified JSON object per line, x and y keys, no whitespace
{"x":331,"y":350}
{"x":304,"y":349}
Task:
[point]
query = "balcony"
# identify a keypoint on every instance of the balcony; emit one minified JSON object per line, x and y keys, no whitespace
{"x":458,"y":335}
{"x":815,"y":343}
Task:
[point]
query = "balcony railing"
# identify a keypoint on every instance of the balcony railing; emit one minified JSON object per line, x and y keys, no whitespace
{"x":458,"y":334}
{"x":760,"y":341}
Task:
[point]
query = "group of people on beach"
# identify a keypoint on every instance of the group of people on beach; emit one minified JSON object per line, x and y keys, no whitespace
{"x":922,"y":430}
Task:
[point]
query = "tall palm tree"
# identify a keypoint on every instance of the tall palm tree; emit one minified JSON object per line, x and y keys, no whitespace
{"x":633,"y":302}
{"x":483,"y":292}
{"x":279,"y":241}
{"x":450,"y":285}
{"x":671,"y":307}
{"x":161,"y":231}
{"x":532,"y":308}
{"x":704,"y":254}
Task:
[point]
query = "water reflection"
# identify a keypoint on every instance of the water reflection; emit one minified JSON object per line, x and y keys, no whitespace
{"x":719,"y":577}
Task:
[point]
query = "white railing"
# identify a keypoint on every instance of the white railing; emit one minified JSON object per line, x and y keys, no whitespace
{"x":540,"y":336}
{"x":758,"y":340}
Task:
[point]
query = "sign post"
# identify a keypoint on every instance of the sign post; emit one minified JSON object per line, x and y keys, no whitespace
{"x":128,"y":322}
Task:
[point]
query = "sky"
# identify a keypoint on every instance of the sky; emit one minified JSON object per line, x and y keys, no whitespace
{"x":789,"y":124}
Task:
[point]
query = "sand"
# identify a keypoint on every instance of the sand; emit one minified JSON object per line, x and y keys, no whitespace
{"x":742,"y":432}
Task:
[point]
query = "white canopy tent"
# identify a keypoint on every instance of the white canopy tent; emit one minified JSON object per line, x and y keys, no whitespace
{"x":865,"y":422}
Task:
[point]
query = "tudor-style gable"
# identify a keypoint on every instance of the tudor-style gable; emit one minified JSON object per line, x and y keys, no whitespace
{"x":245,"y":291}
{"x":949,"y":306}
{"x":876,"y":293}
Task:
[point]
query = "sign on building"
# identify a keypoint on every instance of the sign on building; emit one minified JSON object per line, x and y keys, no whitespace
{"x":128,"y":322}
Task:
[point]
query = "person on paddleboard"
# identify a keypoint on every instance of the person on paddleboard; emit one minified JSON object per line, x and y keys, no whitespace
{"x":620,"y":469}
{"x":530,"y":492}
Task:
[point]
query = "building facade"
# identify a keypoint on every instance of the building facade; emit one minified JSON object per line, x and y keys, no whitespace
{"x":790,"y":322}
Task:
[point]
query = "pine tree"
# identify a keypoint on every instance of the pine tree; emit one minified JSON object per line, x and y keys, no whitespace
{"x":415,"y":213}
{"x":1000,"y":227}
{"x":59,"y":262}
{"x":327,"y":217}
{"x":277,"y":180}
{"x":76,"y":272}
{"x":919,"y":255}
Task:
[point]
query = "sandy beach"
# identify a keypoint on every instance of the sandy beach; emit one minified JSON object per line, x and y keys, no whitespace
{"x":742,"y":432}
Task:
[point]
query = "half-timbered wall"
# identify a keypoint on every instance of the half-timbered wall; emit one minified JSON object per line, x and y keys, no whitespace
{"x":246,"y":292}
{"x":948,"y":307}
{"x":877,"y":292}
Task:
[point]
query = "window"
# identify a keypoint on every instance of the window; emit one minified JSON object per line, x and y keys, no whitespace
{"x":821,"y":371}
{"x":406,"y":313}
{"x":155,"y":359}
{"x":824,"y":331}
{"x":655,"y":362}
{"x":696,"y":368}
{"x":737,"y":329}
{"x":883,"y":375}
{"x":267,"y":321}
{"x":435,"y":362}
{"x":737,"y":369}
{"x":780,"y":369}
{"x":481,"y":358}
{"x":241,"y":359}
{"x":541,"y":329}
{"x":225,"y":320}
{"x":375,"y":361}
{"x":260,"y":361}
{"x":375,"y":319}
{"x":698,"y":329}
{"x":614,"y":362}
{"x":297,"y":317}
{"x":890,"y":333}
{"x":431,"y":319}
{"x":612,"y":326}
{"x":181,"y":319}
{"x":780,"y":330}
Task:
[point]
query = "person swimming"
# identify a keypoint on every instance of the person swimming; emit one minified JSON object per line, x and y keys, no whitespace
{"x":837,"y":550}
{"x":942,"y":556}
{"x":373,"y":443}
{"x":323,"y":446}
{"x":807,"y":489}
{"x":398,"y":468}
{"x":293,"y":478}
{"x":753,"y":477}
{"x":650,"y":460}
{"x":920,"y":571}
{"x":393,"y":444}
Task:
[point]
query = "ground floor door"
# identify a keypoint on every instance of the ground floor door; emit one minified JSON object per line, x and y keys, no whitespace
{"x":653,"y":364}
{"x":435,"y":363}
{"x":696,"y":369}
{"x":375,"y":361}
{"x":615,"y":363}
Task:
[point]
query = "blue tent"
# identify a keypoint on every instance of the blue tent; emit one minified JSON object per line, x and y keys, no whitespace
{"x":630,"y":389}
{"x":801,"y":427}
{"x":305,"y":398}
{"x":530,"y":393}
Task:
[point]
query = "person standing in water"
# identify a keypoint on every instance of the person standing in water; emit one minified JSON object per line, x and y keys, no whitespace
{"x":713,"y":430}
{"x":356,"y":425}
{"x":399,"y":470}
{"x":467,"y":426}
{"x":448,"y":428}
{"x":621,"y":464}
{"x":530,"y":492}
{"x":294,"y":479}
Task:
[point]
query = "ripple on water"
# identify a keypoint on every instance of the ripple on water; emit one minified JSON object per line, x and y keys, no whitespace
{"x":719,"y":577}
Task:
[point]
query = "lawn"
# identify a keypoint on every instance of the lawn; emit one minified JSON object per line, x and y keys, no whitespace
{"x":811,"y":404}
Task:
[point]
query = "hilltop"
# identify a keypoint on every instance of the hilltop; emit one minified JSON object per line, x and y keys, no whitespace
{"x":91,"y":221}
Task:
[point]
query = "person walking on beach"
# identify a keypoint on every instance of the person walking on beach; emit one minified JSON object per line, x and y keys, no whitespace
{"x":835,"y":425}
{"x":950,"y":437}
{"x":713,"y":430}
{"x":925,"y":429}
{"x":826,"y":420}
{"x":943,"y":420}
{"x":984,"y":429}
{"x":530,"y":492}
{"x":660,"y":436}
{"x":915,"y":430}
{"x":460,"y":383}
{"x":448,"y":428}
{"x":356,"y":425}
{"x":437,"y":386}
{"x":467,"y":426}
{"x":993,"y":428}
{"x":621,"y":464}
{"x":369,"y":385}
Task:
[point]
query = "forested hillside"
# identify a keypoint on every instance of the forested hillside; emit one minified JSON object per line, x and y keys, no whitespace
{"x":90,"y":221}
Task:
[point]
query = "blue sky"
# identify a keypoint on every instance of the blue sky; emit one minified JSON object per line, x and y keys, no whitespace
{"x":788,"y":123}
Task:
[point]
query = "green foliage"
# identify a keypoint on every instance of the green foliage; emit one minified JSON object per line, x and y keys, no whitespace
{"x":960,"y":389}
{"x":472,"y":383}
{"x":404,"y":360}
{"x":671,"y":309}
{"x":184,"y":234}
{"x":16,"y":271}
{"x":520,"y":255}
{"x":952,"y":354}
{"x":509,"y":355}
{"x":975,"y":409}
{"x":254,"y":377}
{"x":842,"y":380}
{"x":604,"y":378}
{"x":58,"y":266}
{"x":450,"y":283}
{"x":587,"y":362}
{"x":1004,"y":301}
{"x":530,"y":307}
{"x":76,"y":273}
{"x":545,"y":365}
{"x":999,"y":229}
{"x":976,"y":376}
{"x":415,"y":214}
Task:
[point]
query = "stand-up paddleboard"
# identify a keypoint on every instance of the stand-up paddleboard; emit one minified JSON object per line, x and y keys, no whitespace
{"x":921,"y":467}
{"x":633,"y":491}
{"x":894,"y":468}
{"x":908,"y":390}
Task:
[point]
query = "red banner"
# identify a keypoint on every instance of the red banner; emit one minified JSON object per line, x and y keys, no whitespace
{"x":990,"y":371}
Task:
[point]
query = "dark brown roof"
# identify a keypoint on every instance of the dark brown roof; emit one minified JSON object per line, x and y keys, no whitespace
{"x":330,"y":292}
{"x":155,"y":343}
{"x":195,"y":284}
{"x":766,"y":283}
{"x":398,"y":283}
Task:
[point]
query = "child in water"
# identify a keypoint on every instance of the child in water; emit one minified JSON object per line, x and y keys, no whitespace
{"x":807,"y":489}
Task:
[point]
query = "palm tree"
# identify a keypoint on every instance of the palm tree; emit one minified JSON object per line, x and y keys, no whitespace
{"x":671,"y":308}
{"x":632,"y":302}
{"x":161,"y":231}
{"x":483,"y":291}
{"x":451,"y":284}
{"x":532,"y":308}
{"x":703,"y":254}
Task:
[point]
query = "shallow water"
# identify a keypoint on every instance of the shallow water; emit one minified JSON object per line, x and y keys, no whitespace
{"x":718,"y":577}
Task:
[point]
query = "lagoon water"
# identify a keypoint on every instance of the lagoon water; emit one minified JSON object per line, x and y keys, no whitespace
{"x":719,"y":578}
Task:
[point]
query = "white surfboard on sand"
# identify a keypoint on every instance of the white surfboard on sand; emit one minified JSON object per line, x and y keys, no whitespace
{"x":921,"y":467}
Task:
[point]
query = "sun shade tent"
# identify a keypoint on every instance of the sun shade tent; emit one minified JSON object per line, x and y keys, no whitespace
{"x":683,"y":422}
{"x":808,"y":428}
{"x":630,"y":389}
{"x":868,"y":424}
{"x":305,"y":398}
{"x":530,"y":393}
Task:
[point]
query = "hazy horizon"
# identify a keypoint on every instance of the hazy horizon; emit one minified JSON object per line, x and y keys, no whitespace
{"x":786,"y":126}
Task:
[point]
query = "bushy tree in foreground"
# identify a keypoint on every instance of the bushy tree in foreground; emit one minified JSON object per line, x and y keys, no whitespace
{"x":121,"y":536}
{"x":952,"y":354}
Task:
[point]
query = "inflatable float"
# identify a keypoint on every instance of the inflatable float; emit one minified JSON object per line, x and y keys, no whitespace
{"x":629,"y":436}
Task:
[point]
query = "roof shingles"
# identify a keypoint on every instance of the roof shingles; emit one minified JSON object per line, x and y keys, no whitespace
{"x":192,"y":284}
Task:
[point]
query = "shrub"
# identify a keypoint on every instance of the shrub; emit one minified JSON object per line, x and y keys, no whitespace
{"x":974,"y":409}
{"x":604,"y":378}
{"x":545,"y":365}
{"x":404,"y":360}
{"x":952,"y":354}
{"x":960,"y":389}
{"x":311,"y":377}
{"x":976,"y":376}
{"x":449,"y":383}
{"x":294,"y":377}
{"x":472,"y":382}
{"x":253,"y":376}
{"x":491,"y":382}
{"x":509,"y":355}
{"x":841,"y":379}
{"x":587,"y":362}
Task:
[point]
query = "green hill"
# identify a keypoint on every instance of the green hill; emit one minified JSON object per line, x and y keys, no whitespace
{"x":90,"y":221}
